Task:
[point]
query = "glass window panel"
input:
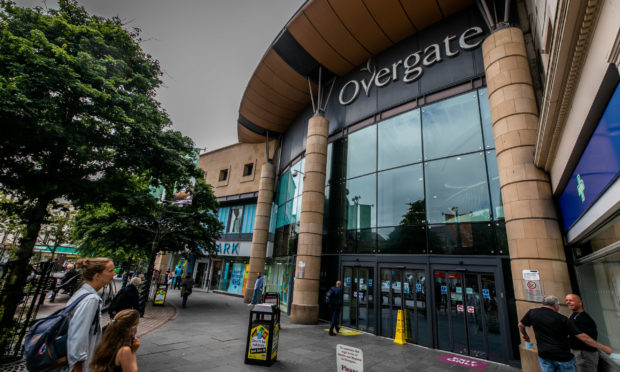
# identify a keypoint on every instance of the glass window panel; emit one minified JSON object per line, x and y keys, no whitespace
{"x":284,"y":180}
{"x":462,"y":238}
{"x":401,"y":196}
{"x":366,"y":241}
{"x":326,"y":210}
{"x":289,"y":218}
{"x":400,"y":140}
{"x":296,"y":210}
{"x":361,"y":202}
{"x":350,"y":241}
{"x":298,"y":182}
{"x":599,"y":282}
{"x":328,"y":167}
{"x":501,"y":240}
{"x":456,"y":189}
{"x":485,"y":114}
{"x":496,"y":195}
{"x":451,"y":126}
{"x":362,"y":151}
{"x":401,"y":239}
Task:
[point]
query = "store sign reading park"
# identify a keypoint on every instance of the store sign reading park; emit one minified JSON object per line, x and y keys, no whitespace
{"x":410,"y":68}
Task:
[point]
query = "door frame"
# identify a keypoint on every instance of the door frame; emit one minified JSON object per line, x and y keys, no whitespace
{"x":369,"y":265}
{"x":480,"y":266}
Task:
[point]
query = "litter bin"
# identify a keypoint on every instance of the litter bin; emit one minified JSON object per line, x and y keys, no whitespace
{"x":263,"y":335}
{"x":272,"y":297}
{"x":160,"y":295}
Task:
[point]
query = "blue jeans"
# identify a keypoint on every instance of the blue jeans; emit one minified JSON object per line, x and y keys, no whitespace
{"x":552,"y":365}
{"x":256,"y":296}
{"x":335,"y":317}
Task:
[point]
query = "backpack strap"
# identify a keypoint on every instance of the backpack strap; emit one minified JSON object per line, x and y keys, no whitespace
{"x":70,"y":308}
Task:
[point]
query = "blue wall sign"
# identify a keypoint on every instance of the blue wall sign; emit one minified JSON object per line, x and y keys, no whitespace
{"x":597,"y":168}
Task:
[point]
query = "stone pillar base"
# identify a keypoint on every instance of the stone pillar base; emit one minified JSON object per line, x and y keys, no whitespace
{"x":304,"y":314}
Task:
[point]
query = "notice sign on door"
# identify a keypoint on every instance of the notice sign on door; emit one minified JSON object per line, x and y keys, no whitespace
{"x":531,"y":285}
{"x":349,"y":359}
{"x":470,"y":309}
{"x":459,"y":308}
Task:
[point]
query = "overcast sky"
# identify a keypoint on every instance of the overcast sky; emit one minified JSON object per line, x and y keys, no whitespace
{"x":208,"y":50}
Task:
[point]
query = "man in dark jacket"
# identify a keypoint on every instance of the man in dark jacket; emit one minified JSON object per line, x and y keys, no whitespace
{"x":334,"y":296}
{"x":186,"y":287}
{"x":126,"y":298}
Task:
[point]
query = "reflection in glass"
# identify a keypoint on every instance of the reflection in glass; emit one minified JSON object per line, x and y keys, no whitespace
{"x":452,"y":126}
{"x":284,"y":180}
{"x":400,"y":140}
{"x":362,"y":151}
{"x":599,"y":282}
{"x":485,"y":113}
{"x":458,"y":190}
{"x":462,"y":238}
{"x":401,"y":196}
{"x":401,"y":239}
{"x":496,"y":195}
{"x":361,"y":202}
{"x":328,"y":167}
{"x":386,"y":309}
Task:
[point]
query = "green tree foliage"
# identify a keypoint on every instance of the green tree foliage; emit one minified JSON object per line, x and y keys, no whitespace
{"x":79,"y":117}
{"x":146,"y":226}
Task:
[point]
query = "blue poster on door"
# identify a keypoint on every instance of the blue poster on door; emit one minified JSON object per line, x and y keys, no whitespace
{"x":236,"y":278}
{"x":418,"y":287}
{"x":444,"y":289}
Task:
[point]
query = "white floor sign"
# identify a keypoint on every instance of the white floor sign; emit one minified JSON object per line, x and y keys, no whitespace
{"x":349,"y":359}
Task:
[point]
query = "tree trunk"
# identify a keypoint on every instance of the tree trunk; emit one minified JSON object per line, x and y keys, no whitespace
{"x":15,"y":281}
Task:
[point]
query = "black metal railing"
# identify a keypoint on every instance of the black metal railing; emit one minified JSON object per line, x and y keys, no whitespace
{"x":32,"y":296}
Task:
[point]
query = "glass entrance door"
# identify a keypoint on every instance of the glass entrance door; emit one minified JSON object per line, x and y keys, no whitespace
{"x":358,"y":310}
{"x":467,"y":314}
{"x":405,"y":289}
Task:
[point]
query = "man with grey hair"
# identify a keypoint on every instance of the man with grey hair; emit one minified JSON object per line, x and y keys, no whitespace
{"x":552,"y":330}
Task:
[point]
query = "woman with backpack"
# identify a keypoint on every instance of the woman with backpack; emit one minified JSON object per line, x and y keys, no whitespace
{"x":84,"y":328}
{"x":117,"y":350}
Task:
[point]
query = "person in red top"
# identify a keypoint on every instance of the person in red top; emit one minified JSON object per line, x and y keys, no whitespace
{"x":552,"y":330}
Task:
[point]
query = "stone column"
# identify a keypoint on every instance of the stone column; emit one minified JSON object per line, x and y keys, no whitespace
{"x":261,"y":227}
{"x":305,"y":308}
{"x":534,"y":236}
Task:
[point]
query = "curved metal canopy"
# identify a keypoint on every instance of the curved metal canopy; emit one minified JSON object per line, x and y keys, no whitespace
{"x":336,"y":35}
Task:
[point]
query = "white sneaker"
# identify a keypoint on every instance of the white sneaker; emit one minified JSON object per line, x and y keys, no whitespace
{"x":250,"y":304}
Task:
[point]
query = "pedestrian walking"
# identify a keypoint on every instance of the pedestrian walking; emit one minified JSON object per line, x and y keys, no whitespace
{"x":178,"y":275}
{"x":334,"y":300}
{"x":84,"y":328}
{"x":586,"y":357}
{"x":186,"y":287}
{"x":117,"y":350}
{"x":126,"y":298}
{"x":552,"y":330}
{"x":258,"y":290}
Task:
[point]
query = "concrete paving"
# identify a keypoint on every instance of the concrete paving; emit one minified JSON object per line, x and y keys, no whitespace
{"x":210,"y":335}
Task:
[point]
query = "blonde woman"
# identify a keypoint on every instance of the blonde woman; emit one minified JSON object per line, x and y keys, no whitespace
{"x":117,"y":350}
{"x":84,"y":328}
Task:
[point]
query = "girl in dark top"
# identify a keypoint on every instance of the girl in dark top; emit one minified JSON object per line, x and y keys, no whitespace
{"x":117,"y":350}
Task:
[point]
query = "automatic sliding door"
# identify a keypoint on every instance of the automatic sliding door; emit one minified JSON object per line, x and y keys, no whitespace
{"x":467,"y":314}
{"x":358,"y":310}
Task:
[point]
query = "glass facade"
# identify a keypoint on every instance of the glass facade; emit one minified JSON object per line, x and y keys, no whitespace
{"x":238,"y":219}
{"x":424,"y":181}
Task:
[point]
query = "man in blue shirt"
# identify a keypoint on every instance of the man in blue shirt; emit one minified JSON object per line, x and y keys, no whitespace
{"x":258,"y":289}
{"x":178,"y":274}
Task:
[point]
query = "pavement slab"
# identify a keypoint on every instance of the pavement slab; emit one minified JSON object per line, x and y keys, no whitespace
{"x":214,"y":328}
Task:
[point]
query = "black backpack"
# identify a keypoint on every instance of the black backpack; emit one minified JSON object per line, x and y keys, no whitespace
{"x":119,"y":302}
{"x":45,"y":345}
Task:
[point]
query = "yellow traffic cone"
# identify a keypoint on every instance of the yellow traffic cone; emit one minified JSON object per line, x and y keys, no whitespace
{"x":400,"y":329}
